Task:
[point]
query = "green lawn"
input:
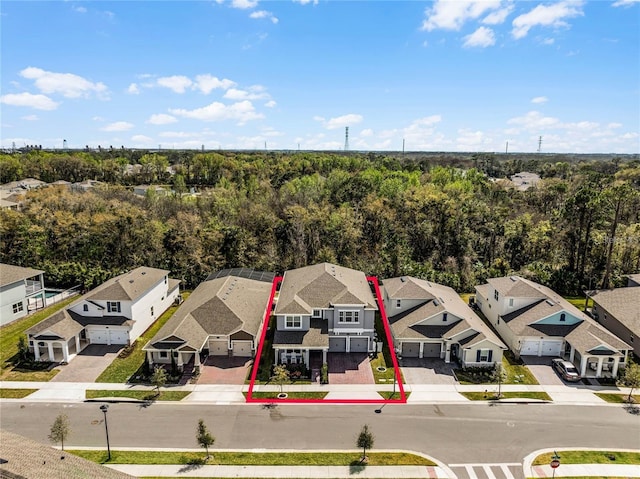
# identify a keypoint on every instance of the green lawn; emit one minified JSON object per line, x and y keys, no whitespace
{"x":15,"y":393}
{"x":590,"y":457}
{"x":491,"y":395}
{"x":618,"y":398}
{"x":517,"y":372}
{"x":9,"y":335}
{"x":290,"y":395}
{"x":248,"y":458}
{"x":141,"y":395}
{"x":121,"y":369}
{"x":382,"y":377}
{"x":390,"y":395}
{"x":578,"y":301}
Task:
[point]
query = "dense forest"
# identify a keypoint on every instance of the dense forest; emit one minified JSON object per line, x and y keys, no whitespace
{"x":449,"y":220}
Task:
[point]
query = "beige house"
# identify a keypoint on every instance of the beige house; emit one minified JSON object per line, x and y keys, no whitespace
{"x":429,"y":320}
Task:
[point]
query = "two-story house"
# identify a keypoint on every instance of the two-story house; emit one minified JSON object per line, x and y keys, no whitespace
{"x":116,"y":312}
{"x":18,"y":287}
{"x":533,"y":320}
{"x":223,"y":316}
{"x":323,"y":308}
{"x":429,"y":320}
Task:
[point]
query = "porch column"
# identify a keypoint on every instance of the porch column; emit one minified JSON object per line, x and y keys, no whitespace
{"x":306,"y":357}
{"x":65,"y":351}
{"x":616,"y":363}
{"x":36,"y":350}
{"x":196,"y":358}
{"x":77,"y":344}
{"x":599,"y":370}
{"x":150,"y":358}
{"x":572,"y":354}
{"x":324,"y":356}
{"x":583,"y":365}
{"x":50,"y":349}
{"x":421,"y":350}
{"x":447,"y":354}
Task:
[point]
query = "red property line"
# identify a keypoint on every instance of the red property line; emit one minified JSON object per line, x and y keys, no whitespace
{"x":396,"y":369}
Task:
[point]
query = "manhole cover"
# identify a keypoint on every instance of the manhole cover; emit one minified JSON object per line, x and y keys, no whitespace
{"x":381,"y":369}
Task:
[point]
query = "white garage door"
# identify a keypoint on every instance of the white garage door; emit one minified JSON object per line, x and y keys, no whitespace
{"x":119,"y":336}
{"x":241,"y":348}
{"x":551,"y":348}
{"x":218,"y":348}
{"x":359,"y":345}
{"x":99,"y":336}
{"x":530,"y":348}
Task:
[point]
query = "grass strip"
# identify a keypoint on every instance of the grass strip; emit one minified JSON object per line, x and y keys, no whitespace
{"x":490,"y":396}
{"x":141,"y":395}
{"x":290,"y":395}
{"x":390,"y":395}
{"x":618,"y":398}
{"x":255,"y":459}
{"x":590,"y":457}
{"x":121,"y":369}
{"x":15,"y":393}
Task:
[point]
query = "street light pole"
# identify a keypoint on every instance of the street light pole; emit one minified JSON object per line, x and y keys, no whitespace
{"x":104,"y":408}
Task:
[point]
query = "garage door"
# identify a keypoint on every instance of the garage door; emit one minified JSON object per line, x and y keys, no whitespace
{"x":241,"y":348}
{"x":359,"y":345}
{"x":337,"y":345}
{"x":431,"y":350}
{"x":410,"y":350}
{"x":99,"y":336}
{"x":530,"y":348}
{"x":119,"y":336}
{"x":551,"y":348}
{"x":218,"y":348}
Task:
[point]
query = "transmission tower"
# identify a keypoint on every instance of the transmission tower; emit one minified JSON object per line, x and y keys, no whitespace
{"x":539,"y":144}
{"x":346,"y":138}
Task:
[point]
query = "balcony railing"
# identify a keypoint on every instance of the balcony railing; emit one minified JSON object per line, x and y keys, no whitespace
{"x":33,"y":286}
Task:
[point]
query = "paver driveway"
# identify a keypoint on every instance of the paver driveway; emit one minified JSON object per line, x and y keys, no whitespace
{"x":224,"y":370}
{"x":427,"y":371}
{"x":88,"y":364}
{"x":349,"y":368}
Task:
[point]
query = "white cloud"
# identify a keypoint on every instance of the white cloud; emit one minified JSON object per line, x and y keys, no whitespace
{"x":534,"y":120}
{"x":79,"y":9}
{"x":161,"y":119}
{"x":451,"y":15}
{"x":255,"y":92}
{"x":177,"y":83}
{"x":39,"y":102}
{"x":242,"y":112}
{"x":97,"y":118}
{"x":539,"y":99}
{"x":263,"y":14}
{"x":624,"y":3}
{"x":499,"y":16}
{"x":67,"y":84}
{"x":133,"y":89}
{"x":141,"y":140}
{"x":244,"y":4}
{"x":546,"y":15}
{"x":30,"y":117}
{"x":548,"y":41}
{"x":340,"y":121}
{"x":473,"y":140}
{"x":207,"y":83}
{"x":270,"y":104}
{"x":118,"y":126}
{"x":366,"y":132}
{"x":179,"y":134}
{"x":482,"y":37}
{"x":306,"y":2}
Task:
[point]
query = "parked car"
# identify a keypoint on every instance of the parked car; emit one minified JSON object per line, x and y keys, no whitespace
{"x":565,"y":369}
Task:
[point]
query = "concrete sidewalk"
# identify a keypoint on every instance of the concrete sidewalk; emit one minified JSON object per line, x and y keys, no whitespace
{"x":579,"y":470}
{"x":284,"y":472}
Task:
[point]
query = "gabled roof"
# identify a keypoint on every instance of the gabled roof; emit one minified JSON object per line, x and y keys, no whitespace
{"x":220,"y":306}
{"x":590,"y":335}
{"x":407,"y":287}
{"x":634,"y":279}
{"x":60,"y":324}
{"x":316,"y":337}
{"x":10,"y":274}
{"x":128,"y":286}
{"x":516,"y":287}
{"x":321,"y":286}
{"x":622,"y":303}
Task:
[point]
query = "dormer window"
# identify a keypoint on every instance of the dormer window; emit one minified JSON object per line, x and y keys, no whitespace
{"x":563,"y":317}
{"x":85,"y":307}
{"x":444,"y":316}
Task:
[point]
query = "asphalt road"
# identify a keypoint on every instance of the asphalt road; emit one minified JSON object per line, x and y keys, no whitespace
{"x":451,"y":433}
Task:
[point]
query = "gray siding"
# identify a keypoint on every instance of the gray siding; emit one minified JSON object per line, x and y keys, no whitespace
{"x":306,"y":321}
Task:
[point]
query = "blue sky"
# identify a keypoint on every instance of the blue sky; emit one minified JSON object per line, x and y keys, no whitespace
{"x":238,"y":74}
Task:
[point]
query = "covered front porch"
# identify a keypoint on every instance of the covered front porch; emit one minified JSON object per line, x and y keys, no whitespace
{"x":299,"y":355}
{"x":598,"y":363}
{"x":57,"y":349}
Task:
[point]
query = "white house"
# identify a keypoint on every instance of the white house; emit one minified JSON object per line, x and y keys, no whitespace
{"x":116,"y":312}
{"x":533,"y":320}
{"x":18,"y":287}
{"x":429,"y":320}
{"x":323,"y":308}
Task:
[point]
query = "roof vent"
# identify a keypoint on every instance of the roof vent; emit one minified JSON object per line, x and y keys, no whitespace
{"x":435,"y":302}
{"x":143,"y":273}
{"x":549,"y":302}
{"x":429,"y":284}
{"x":403,"y":279}
{"x":441,"y":300}
{"x":130,"y":281}
{"x":513,"y":278}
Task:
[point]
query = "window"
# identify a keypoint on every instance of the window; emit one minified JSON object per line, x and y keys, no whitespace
{"x":398,"y":303}
{"x":18,"y":307}
{"x":293,"y":322}
{"x":510,"y":301}
{"x":444,"y":316}
{"x":316,"y":313}
{"x":484,"y":355}
{"x":631,"y":339}
{"x":165,"y":280}
{"x":563,"y":317}
{"x":163,"y":354}
{"x":151,"y":310}
{"x":496,"y":295}
{"x":113,"y":306}
{"x":348,"y":316}
{"x":85,"y":307}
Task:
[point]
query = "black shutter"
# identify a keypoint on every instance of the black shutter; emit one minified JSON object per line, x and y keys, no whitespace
{"x":490,"y":355}
{"x":478,"y":356}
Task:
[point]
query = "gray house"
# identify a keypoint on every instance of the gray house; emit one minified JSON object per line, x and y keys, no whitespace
{"x":429,"y":320}
{"x":222,"y":317}
{"x":323,"y":308}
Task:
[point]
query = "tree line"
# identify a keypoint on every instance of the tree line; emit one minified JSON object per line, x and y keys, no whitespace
{"x":449,"y":221}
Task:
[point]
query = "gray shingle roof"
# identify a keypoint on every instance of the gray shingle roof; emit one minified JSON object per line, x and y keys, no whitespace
{"x":621,"y":303}
{"x":517,"y":287}
{"x":129,"y":286}
{"x":25,"y":458}
{"x":220,"y":306}
{"x":10,"y":274}
{"x":316,"y":337}
{"x":320,"y":286}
